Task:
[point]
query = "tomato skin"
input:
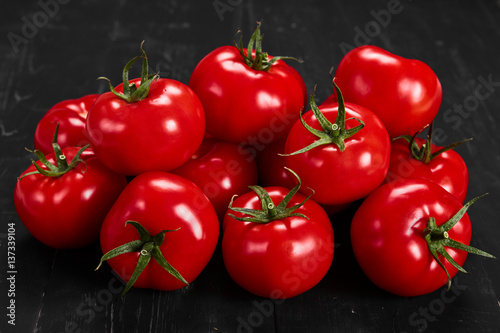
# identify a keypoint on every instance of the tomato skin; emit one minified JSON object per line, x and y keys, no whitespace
{"x":447,"y":169}
{"x":220,"y":171}
{"x":71,"y":116}
{"x":160,"y":132}
{"x":280,"y":259}
{"x":337,"y":177}
{"x":162,"y":201}
{"x":272,"y":172}
{"x":388,"y":241}
{"x":405,"y":93}
{"x":244,"y":105}
{"x":67,"y":211}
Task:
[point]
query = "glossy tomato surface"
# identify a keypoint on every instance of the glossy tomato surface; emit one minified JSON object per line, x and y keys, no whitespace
{"x":160,"y":132}
{"x":340,"y":177}
{"x":405,"y":93}
{"x":447,"y":169}
{"x":67,"y":211}
{"x":243,"y":105}
{"x":162,"y":201}
{"x":282,"y":258}
{"x":71,"y":116}
{"x":220,"y":170}
{"x":387,"y":234}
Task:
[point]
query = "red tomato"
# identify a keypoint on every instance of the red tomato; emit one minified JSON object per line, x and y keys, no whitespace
{"x":157,"y":131}
{"x":280,"y":258}
{"x":388,"y":234}
{"x":447,"y":169}
{"x":67,"y":211}
{"x":342,"y":172}
{"x":220,"y":171}
{"x":162,"y":201}
{"x":244,"y":103}
{"x":272,"y":170}
{"x":71,"y":116}
{"x":405,"y":93}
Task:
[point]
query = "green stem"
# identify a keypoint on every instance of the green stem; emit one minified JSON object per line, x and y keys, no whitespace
{"x":424,"y":152}
{"x":260,"y":61}
{"x":149,"y":247}
{"x":61,"y":167}
{"x":270,"y":212}
{"x":437,"y":239}
{"x":131,"y":93}
{"x":335,"y":133}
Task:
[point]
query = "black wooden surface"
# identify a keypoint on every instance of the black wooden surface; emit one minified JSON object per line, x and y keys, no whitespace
{"x":63,"y":46}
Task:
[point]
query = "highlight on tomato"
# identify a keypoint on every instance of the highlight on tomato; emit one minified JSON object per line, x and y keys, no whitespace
{"x":249,"y":97}
{"x":145,"y":124}
{"x":340,"y":150}
{"x":220,"y":170}
{"x":70,"y":116}
{"x":411,"y":237}
{"x":164,"y":217}
{"x":63,"y":198}
{"x":404,"y":93}
{"x":277,"y":243}
{"x":414,"y":157}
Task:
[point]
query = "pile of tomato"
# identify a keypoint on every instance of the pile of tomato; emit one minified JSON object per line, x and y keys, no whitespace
{"x":243,"y":157}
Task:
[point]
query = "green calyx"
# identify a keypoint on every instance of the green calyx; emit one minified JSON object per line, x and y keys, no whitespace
{"x":131,"y":93}
{"x":61,"y":167}
{"x":424,"y":153}
{"x":270,"y":212}
{"x":149,"y":247}
{"x":261,"y":60}
{"x":335,"y":133}
{"x":437,"y":238}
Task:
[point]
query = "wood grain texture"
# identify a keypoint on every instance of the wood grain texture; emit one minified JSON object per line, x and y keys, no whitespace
{"x":59,"y":291}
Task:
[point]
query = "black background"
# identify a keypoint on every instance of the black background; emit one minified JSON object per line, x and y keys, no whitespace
{"x":49,"y":53}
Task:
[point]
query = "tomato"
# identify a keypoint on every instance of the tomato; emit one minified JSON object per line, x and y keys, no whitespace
{"x":71,"y":116}
{"x":220,"y":171}
{"x":419,"y":158}
{"x":400,"y":232}
{"x":272,"y":165}
{"x":66,"y":211}
{"x":340,"y":150}
{"x":138,"y":130}
{"x":165,"y":203}
{"x":405,"y":93}
{"x":273,"y":172}
{"x":249,"y":98}
{"x":275,"y":252}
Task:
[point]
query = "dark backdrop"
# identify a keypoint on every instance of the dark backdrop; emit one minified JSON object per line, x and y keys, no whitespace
{"x":54,"y":50}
